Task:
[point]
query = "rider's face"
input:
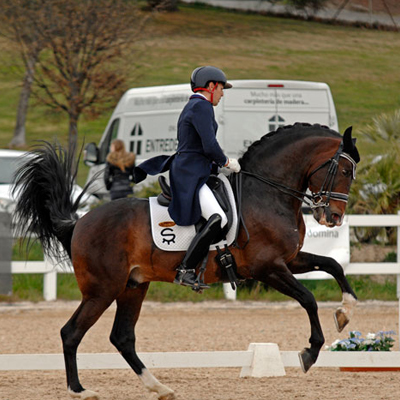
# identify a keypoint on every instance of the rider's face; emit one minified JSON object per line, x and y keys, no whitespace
{"x":218,"y":93}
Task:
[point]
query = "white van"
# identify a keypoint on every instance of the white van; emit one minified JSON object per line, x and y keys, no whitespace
{"x":146,"y":118}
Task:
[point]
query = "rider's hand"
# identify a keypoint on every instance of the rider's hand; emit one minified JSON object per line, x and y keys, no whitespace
{"x":233,"y":165}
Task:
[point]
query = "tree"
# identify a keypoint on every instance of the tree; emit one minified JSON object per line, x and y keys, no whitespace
{"x":16,"y":26}
{"x":306,"y":5}
{"x":377,"y":187}
{"x":76,"y":72}
{"x":163,"y":5}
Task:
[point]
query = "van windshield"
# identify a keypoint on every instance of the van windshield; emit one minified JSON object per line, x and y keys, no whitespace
{"x":8,"y":166}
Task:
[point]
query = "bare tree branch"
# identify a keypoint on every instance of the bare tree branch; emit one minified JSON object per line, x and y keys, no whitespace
{"x":80,"y":41}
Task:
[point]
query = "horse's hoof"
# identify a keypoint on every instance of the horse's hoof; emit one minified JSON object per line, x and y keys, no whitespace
{"x":341,"y":319}
{"x":306,"y":360}
{"x":85,"y":395}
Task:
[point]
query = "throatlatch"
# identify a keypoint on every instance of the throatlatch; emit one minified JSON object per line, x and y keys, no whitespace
{"x":226,"y":261}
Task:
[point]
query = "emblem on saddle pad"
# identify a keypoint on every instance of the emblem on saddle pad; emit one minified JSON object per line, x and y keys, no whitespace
{"x":171,"y":237}
{"x":166,"y":224}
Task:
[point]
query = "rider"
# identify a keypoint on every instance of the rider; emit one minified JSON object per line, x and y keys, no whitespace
{"x":191,"y":166}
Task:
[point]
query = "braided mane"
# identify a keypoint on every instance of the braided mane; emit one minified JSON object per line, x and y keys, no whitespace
{"x":298,"y":128}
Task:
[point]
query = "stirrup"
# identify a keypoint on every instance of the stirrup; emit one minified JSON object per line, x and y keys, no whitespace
{"x":188,"y":277}
{"x":199,"y":284}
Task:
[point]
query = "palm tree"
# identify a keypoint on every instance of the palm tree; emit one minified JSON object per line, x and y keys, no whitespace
{"x":377,"y":188}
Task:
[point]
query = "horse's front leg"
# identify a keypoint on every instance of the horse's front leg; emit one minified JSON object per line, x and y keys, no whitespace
{"x":306,"y":262}
{"x":129,"y":304}
{"x":280,"y":278}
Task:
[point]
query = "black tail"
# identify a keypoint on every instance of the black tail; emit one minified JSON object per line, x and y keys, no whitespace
{"x":43,"y":189}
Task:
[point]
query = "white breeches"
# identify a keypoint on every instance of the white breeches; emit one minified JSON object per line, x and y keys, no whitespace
{"x":209,"y":205}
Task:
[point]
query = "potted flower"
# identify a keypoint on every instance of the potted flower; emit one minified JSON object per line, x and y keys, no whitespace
{"x":380,"y":341}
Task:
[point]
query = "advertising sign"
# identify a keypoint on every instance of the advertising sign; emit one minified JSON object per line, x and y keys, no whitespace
{"x":329,"y":242}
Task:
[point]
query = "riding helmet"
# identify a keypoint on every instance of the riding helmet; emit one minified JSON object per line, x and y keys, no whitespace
{"x":202,"y":75}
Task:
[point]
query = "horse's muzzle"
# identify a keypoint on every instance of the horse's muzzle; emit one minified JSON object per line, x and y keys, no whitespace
{"x":325,"y":216}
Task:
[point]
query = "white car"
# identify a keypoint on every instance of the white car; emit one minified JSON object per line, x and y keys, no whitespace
{"x":10,"y":160}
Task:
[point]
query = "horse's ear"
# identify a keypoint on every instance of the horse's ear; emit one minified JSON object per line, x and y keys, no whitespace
{"x":349,"y":145}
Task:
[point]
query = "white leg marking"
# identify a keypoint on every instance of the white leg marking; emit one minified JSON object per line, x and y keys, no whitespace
{"x":344,"y":312}
{"x":348,"y":303}
{"x":86,"y":394}
{"x":152,"y":384}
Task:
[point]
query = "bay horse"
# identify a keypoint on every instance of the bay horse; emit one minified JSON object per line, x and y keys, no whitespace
{"x":114,"y":257}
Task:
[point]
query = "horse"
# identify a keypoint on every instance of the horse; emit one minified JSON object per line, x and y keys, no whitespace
{"x":114,"y":258}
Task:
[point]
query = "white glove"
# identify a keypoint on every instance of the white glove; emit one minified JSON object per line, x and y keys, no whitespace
{"x":233,"y":165}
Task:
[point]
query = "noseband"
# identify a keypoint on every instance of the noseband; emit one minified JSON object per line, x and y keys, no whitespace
{"x":314,"y":200}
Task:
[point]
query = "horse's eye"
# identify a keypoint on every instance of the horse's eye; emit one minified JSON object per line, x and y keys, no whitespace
{"x":346,"y":172}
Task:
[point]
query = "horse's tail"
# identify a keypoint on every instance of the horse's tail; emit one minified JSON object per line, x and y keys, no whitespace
{"x":44,"y":186}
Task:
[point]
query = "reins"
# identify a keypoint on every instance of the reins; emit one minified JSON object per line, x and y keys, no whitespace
{"x":314,"y":200}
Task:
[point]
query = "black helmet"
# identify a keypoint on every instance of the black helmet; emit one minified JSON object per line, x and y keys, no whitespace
{"x":202,"y":75}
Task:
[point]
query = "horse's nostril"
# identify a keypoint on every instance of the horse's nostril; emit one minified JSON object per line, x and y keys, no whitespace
{"x":336,"y":218}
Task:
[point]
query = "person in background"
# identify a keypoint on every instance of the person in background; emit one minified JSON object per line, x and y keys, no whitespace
{"x":119,"y":171}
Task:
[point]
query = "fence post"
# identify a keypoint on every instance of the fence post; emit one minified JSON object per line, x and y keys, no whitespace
{"x":49,"y":281}
{"x":398,"y":275}
{"x":229,"y":293}
{"x":6,"y":241}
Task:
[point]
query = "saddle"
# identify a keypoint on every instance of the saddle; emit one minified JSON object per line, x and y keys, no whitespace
{"x":168,"y":236}
{"x":171,"y":237}
{"x":220,"y":193}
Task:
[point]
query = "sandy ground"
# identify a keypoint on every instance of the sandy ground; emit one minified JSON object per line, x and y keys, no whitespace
{"x":34,"y":328}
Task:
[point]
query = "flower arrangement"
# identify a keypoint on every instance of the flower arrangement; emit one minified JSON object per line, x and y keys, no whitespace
{"x":380,"y":341}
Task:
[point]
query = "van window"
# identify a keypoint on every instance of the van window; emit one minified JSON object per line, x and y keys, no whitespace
{"x":110,"y":136}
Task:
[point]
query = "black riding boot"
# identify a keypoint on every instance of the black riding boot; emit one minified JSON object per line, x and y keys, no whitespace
{"x":197,"y":250}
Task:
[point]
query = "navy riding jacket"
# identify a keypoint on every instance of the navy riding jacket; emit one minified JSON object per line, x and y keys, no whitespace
{"x":191,"y":166}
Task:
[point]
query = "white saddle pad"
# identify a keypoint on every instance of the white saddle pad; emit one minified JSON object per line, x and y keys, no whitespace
{"x":171,"y":237}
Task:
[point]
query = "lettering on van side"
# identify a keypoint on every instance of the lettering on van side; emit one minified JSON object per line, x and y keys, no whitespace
{"x":135,"y":146}
{"x":161,"y":145}
{"x":156,"y":100}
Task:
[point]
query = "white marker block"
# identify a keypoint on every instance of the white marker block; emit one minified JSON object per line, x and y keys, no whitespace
{"x":267,"y":361}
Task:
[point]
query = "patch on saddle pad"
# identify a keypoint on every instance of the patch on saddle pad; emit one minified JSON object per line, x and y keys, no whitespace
{"x":171,"y":237}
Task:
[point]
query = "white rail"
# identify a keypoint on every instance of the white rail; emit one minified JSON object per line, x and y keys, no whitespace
{"x":260,"y":360}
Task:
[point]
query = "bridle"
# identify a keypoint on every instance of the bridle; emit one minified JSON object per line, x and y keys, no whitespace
{"x":327,"y":185}
{"x":315,"y":199}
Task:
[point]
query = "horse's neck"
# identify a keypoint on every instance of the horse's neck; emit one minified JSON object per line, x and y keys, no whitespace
{"x":288,"y":164}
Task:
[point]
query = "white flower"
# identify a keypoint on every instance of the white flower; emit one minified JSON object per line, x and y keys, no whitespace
{"x":335,"y":343}
{"x":371,"y":336}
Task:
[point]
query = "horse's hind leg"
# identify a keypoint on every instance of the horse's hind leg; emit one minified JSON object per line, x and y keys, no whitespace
{"x":88,"y":312}
{"x":123,"y":338}
{"x":306,"y":262}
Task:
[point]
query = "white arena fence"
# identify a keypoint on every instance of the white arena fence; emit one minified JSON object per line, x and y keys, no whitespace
{"x":50,"y":271}
{"x":260,"y":360}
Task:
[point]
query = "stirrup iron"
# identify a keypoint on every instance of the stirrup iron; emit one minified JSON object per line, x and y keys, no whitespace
{"x":199,"y":284}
